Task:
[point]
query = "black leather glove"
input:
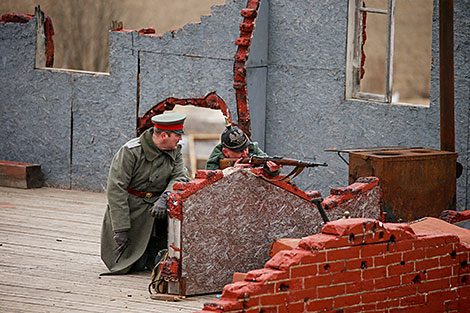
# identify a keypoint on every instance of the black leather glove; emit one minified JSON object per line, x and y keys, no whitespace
{"x":160,"y":207}
{"x":122,"y":239}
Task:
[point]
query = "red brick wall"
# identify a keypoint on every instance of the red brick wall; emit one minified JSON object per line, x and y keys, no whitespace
{"x":358,"y":265}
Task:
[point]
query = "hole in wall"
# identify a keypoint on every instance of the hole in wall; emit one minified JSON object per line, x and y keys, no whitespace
{"x":202,"y":130}
{"x":284,"y":287}
{"x":463,"y":264}
{"x":351,"y":238}
{"x":416,"y":279}
{"x":363,"y":265}
{"x":412,"y":31}
{"x":402,"y":263}
{"x":464,"y":279}
{"x":392,"y":238}
{"x":326,"y":267}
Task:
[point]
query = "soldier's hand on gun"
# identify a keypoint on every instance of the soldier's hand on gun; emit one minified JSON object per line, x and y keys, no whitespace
{"x":160,"y":207}
{"x":273,"y":167}
{"x":241,"y":165}
{"x":122,"y":239}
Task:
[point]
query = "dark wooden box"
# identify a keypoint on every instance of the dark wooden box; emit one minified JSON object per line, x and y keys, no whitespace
{"x":20,"y":175}
{"x":415,"y":182}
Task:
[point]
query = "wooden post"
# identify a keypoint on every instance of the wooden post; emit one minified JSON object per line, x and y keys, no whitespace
{"x":446,"y":74}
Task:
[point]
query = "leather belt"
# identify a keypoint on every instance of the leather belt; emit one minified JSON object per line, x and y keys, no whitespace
{"x":141,"y":194}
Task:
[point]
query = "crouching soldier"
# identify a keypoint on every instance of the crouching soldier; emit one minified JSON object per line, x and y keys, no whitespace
{"x":141,"y":176}
{"x":234,"y":143}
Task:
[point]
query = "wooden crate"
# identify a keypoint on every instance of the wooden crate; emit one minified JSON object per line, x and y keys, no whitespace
{"x":20,"y":175}
{"x":415,"y":182}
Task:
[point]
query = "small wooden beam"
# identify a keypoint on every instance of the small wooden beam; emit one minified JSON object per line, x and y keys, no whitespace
{"x":20,"y":175}
{"x":446,"y":74}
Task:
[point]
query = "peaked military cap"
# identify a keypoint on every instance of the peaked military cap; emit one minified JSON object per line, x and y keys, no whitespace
{"x":234,"y":138}
{"x":170,"y":122}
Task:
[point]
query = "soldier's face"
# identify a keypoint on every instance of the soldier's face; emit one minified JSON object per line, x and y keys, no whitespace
{"x":170,"y":141}
{"x":236,"y":155}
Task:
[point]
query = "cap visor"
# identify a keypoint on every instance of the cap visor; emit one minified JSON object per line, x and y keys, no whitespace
{"x":177,"y":131}
{"x":247,"y":143}
{"x":180,"y":132}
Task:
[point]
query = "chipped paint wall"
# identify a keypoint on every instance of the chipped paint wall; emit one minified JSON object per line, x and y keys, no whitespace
{"x":73,"y":122}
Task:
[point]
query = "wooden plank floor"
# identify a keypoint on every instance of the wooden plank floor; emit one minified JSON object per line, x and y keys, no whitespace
{"x":50,"y":258}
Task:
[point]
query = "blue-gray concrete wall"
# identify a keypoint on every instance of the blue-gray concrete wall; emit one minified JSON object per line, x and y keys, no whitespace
{"x":306,"y":108}
{"x":34,"y":106}
{"x":462,"y":96}
{"x":73,"y":122}
{"x":70,"y":122}
{"x":193,"y":61}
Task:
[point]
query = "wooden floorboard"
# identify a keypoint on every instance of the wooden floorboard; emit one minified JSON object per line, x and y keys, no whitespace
{"x":50,"y":258}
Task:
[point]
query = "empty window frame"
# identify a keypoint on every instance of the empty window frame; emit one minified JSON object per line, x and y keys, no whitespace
{"x":389,"y":51}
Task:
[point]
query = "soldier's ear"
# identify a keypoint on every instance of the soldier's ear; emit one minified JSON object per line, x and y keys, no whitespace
{"x":224,"y":151}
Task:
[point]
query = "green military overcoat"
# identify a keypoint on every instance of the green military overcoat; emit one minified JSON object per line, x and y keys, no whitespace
{"x":141,"y":166}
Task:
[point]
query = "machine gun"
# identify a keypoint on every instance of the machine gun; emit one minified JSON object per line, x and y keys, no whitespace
{"x":261,"y":160}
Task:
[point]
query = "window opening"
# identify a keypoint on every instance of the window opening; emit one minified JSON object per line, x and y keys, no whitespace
{"x":389,"y":51}
{"x":202,"y":130}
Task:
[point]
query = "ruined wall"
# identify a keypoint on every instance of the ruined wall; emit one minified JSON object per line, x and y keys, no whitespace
{"x":30,"y":103}
{"x":70,"y":122}
{"x":229,"y":219}
{"x":73,"y":122}
{"x":358,"y":265}
{"x":192,"y":61}
{"x":306,"y":110}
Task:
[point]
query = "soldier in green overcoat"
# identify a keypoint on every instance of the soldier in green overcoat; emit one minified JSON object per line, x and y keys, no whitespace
{"x":234,"y":143}
{"x":141,"y":176}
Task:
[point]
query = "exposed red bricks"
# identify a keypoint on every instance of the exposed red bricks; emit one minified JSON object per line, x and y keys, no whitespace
{"x":340,"y":195}
{"x":147,"y":31}
{"x":16,"y":18}
{"x":211,"y":101}
{"x":239,"y":70}
{"x":48,"y":31}
{"x":283,"y":244}
{"x":385,"y":268}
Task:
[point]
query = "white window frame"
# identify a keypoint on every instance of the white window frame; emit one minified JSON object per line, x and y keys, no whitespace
{"x":354,"y":52}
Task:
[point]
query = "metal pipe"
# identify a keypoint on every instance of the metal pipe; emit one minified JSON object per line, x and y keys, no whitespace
{"x":446,"y":74}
